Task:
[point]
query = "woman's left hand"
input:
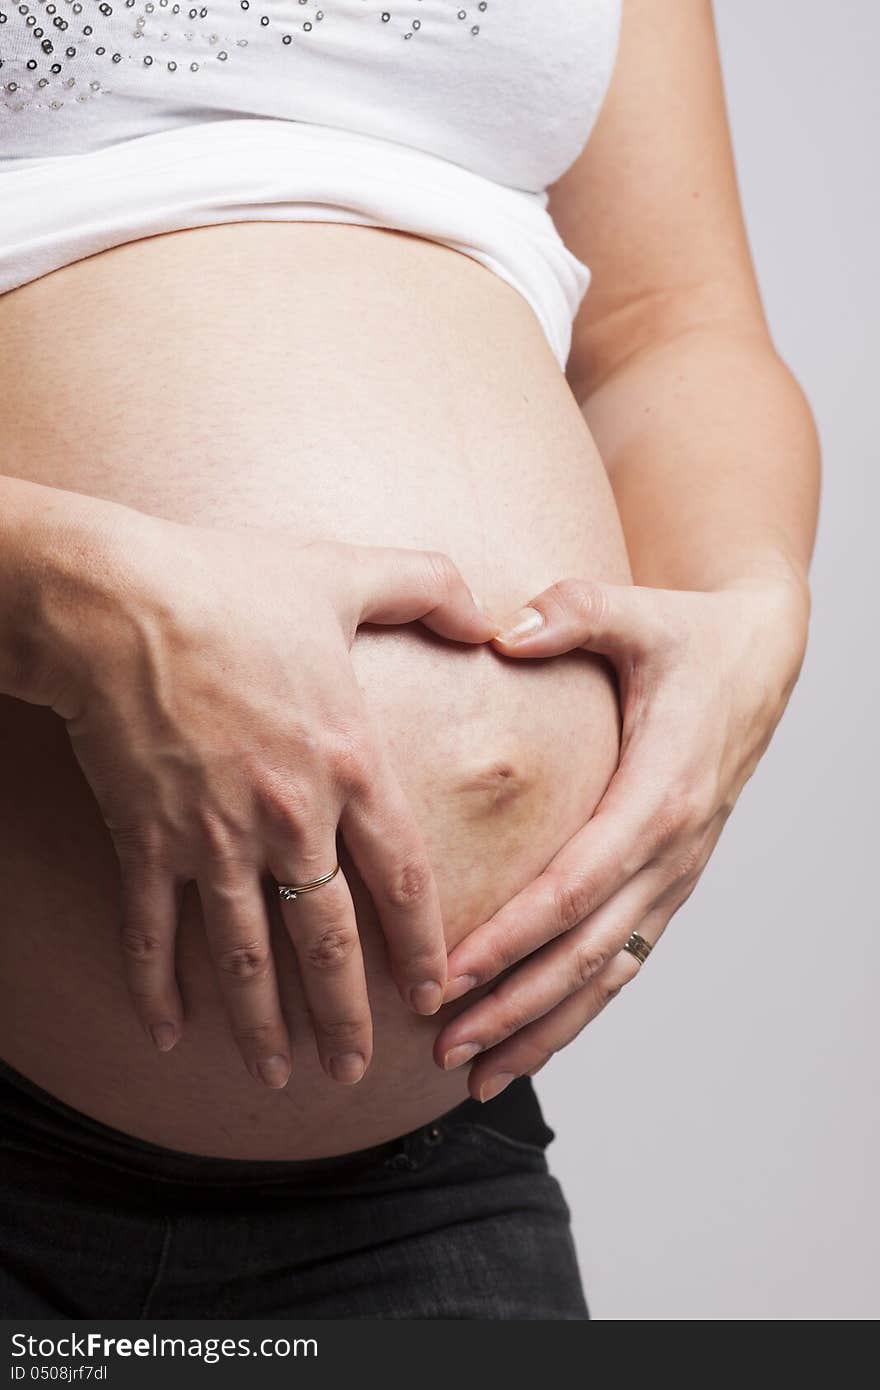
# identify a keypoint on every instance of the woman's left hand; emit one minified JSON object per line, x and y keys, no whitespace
{"x":704,"y":677}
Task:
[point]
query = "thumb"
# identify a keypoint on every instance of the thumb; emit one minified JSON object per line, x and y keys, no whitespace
{"x":612,"y":619}
{"x":405,"y":586}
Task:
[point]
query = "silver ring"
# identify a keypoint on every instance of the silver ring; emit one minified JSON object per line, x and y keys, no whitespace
{"x":289,"y":892}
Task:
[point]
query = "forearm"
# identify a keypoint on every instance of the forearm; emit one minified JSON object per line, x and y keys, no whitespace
{"x":21,"y":563}
{"x":56,"y":550}
{"x":714,"y":460}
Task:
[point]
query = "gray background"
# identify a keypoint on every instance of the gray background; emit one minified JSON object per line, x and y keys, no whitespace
{"x":717,"y":1125}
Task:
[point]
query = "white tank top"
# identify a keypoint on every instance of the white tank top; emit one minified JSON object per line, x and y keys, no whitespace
{"x":446,"y":118}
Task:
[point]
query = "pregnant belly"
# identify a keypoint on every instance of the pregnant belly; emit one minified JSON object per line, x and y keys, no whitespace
{"x":333,"y":381}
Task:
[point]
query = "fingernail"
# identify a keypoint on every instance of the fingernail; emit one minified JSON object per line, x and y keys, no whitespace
{"x":495,"y":1085}
{"x":459,"y":986}
{"x":347,"y":1067}
{"x":275,"y":1071}
{"x":164,"y":1036}
{"x":457,"y":1056}
{"x":519,"y":625}
{"x":427,"y":997}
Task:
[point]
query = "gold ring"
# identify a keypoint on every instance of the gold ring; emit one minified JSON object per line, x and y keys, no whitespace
{"x":638,"y":947}
{"x":289,"y":892}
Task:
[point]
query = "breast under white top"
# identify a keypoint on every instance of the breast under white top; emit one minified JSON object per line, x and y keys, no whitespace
{"x":448,"y":119}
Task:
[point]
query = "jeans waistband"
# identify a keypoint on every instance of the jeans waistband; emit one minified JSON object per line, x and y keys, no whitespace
{"x":29,"y":1114}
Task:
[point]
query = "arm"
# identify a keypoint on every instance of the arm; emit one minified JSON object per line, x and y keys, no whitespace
{"x":206,"y":685}
{"x":708,"y":441}
{"x":27,"y":512}
{"x":712,"y":455}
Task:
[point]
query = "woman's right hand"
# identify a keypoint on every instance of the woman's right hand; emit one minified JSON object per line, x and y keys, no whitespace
{"x":206,"y":682}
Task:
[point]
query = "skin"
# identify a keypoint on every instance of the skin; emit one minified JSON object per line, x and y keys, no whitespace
{"x":178,"y":809}
{"x":157,"y":517}
{"x":713,"y":457}
{"x":672,"y":322}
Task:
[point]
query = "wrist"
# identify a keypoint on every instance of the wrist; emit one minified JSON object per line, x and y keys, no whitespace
{"x":780,"y":606}
{"x":62,"y":562}
{"x":783,"y":583}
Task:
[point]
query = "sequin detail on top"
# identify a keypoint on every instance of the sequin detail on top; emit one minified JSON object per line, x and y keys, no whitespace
{"x":507,"y":88}
{"x":445,"y":119}
{"x":50,"y":36}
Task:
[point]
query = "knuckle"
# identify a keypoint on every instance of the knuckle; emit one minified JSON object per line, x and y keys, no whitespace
{"x":685,"y":866}
{"x":409,"y":885}
{"x":572,"y":901}
{"x":685,"y":889}
{"x":285,"y":805}
{"x":607,"y":988}
{"x":245,"y":962}
{"x":141,"y":846}
{"x":580,"y":599}
{"x":515,"y":1017}
{"x":442,"y":573}
{"x":537,"y":1057}
{"x":509,"y":1011}
{"x":140,"y":947}
{"x":300,"y":736}
{"x":223,"y":886}
{"x":330,"y":949}
{"x":218,"y":836}
{"x":420,"y":960}
{"x":692,"y":805}
{"x":350,"y":759}
{"x":257,"y":1037}
{"x":587,"y":962}
{"x":671,"y":817}
{"x":499,"y":950}
{"x":313,"y":859}
{"x":341,"y":1030}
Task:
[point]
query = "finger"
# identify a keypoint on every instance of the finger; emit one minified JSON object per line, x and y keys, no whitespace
{"x":529,"y":1050}
{"x":619,"y":840}
{"x":404,"y":586}
{"x":237,"y":928}
{"x":551,"y":975}
{"x":387,"y":849}
{"x":323,"y":928}
{"x":150,"y":903}
{"x":613,"y":619}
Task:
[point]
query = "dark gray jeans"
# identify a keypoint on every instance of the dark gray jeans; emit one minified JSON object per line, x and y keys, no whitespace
{"x":458,"y":1219}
